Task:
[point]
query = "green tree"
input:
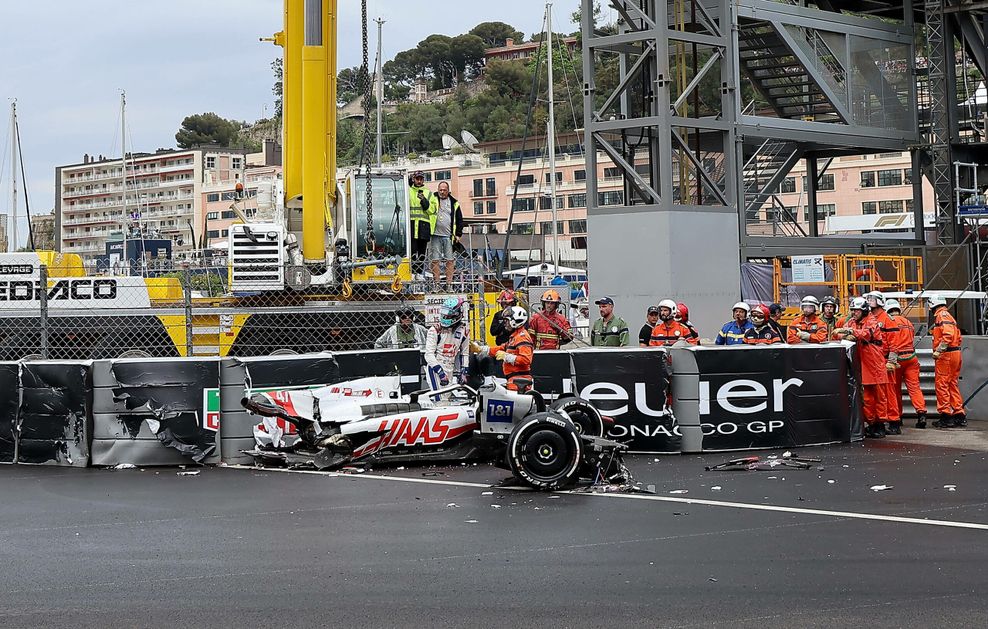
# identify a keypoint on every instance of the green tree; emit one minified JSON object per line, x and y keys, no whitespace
{"x":277,"y":66}
{"x":495,"y":34}
{"x":207,"y":128}
{"x":466,"y":54}
{"x":348,"y":85}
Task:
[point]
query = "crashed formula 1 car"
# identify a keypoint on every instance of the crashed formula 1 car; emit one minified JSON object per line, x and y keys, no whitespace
{"x":546,"y":446}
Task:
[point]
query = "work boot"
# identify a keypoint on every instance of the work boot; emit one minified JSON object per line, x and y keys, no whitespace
{"x":880,"y":430}
{"x":945,"y":421}
{"x":921,"y":420}
{"x":960,"y":420}
{"x":895,"y":428}
{"x":872,"y":431}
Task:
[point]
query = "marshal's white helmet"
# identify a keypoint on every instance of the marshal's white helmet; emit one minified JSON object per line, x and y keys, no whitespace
{"x":878,"y":297}
{"x":516,"y":317}
{"x":935,"y":301}
{"x":859,"y":303}
{"x":892,"y":304}
{"x":743,"y":306}
{"x":810,"y":300}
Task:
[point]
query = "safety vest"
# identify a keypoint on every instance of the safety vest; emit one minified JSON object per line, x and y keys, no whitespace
{"x":417,"y":216}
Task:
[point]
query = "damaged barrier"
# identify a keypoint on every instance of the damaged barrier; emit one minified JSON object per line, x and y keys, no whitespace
{"x":150,"y":411}
{"x":739,"y":398}
{"x":53,"y":417}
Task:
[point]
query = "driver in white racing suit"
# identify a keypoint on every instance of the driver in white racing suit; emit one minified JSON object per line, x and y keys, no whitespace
{"x":447,"y":346}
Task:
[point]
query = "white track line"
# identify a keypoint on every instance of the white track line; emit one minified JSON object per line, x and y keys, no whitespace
{"x":651,"y":498}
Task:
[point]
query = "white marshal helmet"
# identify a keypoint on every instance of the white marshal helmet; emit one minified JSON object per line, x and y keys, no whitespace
{"x":892,"y":304}
{"x":810,"y":300}
{"x":743,"y":306}
{"x":516,"y":317}
{"x":879,"y":298}
{"x":670,"y":304}
{"x":859,"y":303}
{"x":933,"y":301}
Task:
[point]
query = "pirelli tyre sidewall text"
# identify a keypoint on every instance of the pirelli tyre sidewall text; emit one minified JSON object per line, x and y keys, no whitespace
{"x":582,"y":413}
{"x":545,"y":451}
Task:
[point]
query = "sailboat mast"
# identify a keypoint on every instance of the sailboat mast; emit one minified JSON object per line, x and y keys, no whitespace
{"x":551,"y":131}
{"x":123,"y":165}
{"x":12,"y":236}
{"x":379,"y":84}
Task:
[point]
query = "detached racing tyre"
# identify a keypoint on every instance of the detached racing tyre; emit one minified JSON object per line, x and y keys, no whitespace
{"x":545,"y":451}
{"x":583,"y":414}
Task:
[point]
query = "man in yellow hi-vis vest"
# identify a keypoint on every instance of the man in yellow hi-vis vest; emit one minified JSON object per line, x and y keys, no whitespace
{"x":422,"y":215}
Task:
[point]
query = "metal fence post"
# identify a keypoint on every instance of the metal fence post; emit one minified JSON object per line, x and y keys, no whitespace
{"x":187,"y":292}
{"x":43,"y":300}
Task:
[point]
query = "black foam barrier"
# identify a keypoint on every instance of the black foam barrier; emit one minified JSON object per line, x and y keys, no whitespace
{"x":10,"y":395}
{"x":151,"y":411}
{"x":631,"y":385}
{"x":738,"y":398}
{"x":552,"y":372}
{"x":53,"y":417}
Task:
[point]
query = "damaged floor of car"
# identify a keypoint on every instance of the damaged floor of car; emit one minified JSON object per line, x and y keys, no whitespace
{"x":888,"y":533}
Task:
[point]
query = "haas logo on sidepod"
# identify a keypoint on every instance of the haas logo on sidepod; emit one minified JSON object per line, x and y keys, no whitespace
{"x":421,"y":431}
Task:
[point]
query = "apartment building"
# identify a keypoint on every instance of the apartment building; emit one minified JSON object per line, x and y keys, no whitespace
{"x":221,"y":200}
{"x":163,"y":198}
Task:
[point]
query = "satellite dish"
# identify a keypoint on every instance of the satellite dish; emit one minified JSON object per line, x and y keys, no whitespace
{"x":469,"y":140}
{"x":449,"y":142}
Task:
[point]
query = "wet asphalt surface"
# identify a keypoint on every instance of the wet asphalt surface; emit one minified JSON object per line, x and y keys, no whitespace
{"x":244,"y":548}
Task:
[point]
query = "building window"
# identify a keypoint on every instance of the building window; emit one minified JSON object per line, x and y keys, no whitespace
{"x":890,"y":177}
{"x":228,"y":214}
{"x":478,"y":208}
{"x":490,"y":186}
{"x":580,"y":175}
{"x":492,"y":207}
{"x":610,"y":198}
{"x":443,"y":175}
{"x":788,"y":185}
{"x":229,"y":196}
{"x":211,"y":162}
{"x":907,"y":177}
{"x":224,"y":233}
{"x":213,"y":233}
{"x":578,"y":226}
{"x":823,"y":210}
{"x":524,"y":229}
{"x":523,"y":205}
{"x":869,"y":207}
{"x":546,"y":228}
{"x":212,"y":196}
{"x":478,"y":187}
{"x":889,"y":207}
{"x":909,"y":205}
{"x":824,"y":183}
{"x":544,"y":203}
{"x":212,"y":216}
{"x":236,"y":163}
{"x":525,"y":180}
{"x":868,"y":179}
{"x":559,"y":178}
{"x":578,"y":200}
{"x":612,"y":173}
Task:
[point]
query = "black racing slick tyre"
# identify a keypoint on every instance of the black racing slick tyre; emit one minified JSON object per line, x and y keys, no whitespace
{"x":545,"y":451}
{"x":587,"y":419}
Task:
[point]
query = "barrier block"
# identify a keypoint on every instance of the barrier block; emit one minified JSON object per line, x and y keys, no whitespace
{"x":54,"y":413}
{"x":150,"y":411}
{"x":10,"y":395}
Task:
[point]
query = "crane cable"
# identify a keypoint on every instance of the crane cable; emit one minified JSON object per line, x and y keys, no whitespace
{"x":370,"y":245}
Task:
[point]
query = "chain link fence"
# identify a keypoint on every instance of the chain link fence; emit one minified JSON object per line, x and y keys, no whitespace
{"x":166,"y":308}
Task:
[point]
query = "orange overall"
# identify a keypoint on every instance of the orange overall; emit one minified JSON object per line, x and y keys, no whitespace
{"x":668,"y":332}
{"x":889,"y":329}
{"x":518,"y":362}
{"x":947,"y":340}
{"x":902,"y":344}
{"x":812,"y":325}
{"x":874,"y":379}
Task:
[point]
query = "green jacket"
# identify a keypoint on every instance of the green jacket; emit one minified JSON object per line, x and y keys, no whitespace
{"x":422,"y":214}
{"x":614,"y":335}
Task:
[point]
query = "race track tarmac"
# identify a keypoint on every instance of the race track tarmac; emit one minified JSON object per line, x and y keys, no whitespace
{"x":251,"y":548}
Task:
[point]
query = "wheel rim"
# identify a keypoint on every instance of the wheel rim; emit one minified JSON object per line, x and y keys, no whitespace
{"x":134,"y":353}
{"x":283,"y":352}
{"x":546,"y":454}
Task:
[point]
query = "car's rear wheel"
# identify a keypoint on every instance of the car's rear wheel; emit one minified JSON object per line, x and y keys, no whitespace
{"x":587,"y":419}
{"x":545,"y":451}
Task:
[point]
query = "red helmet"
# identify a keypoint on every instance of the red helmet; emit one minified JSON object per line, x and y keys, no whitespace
{"x":683,"y":312}
{"x":506,"y":296}
{"x":552,"y":295}
{"x":761,"y":309}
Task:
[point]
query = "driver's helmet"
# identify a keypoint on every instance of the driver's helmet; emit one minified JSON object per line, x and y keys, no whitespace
{"x":516,"y":317}
{"x":451,"y":312}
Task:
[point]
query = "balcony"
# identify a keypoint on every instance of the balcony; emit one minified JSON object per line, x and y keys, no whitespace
{"x":176,"y":168}
{"x":71,"y":194}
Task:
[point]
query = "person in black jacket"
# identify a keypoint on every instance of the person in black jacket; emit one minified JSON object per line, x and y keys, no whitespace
{"x":499,"y":329}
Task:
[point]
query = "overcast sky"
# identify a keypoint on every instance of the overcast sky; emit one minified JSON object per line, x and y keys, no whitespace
{"x":65,"y":62}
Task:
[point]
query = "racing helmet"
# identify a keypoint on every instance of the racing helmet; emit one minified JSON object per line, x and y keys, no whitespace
{"x":892,"y":304}
{"x":515,"y":317}
{"x":877,"y":296}
{"x":451,"y":312}
{"x":506,"y":296}
{"x":551,"y":296}
{"x":859,"y":303}
{"x":682,"y":312}
{"x":810,"y":300}
{"x":671,"y":305}
{"x":935,"y":301}
{"x":759,"y":313}
{"x":743,"y":306}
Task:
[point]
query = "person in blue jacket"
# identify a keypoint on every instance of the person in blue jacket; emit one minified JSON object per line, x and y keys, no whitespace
{"x":733,"y":331}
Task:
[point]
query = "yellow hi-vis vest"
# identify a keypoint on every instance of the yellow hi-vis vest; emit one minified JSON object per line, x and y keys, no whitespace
{"x":417,"y":216}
